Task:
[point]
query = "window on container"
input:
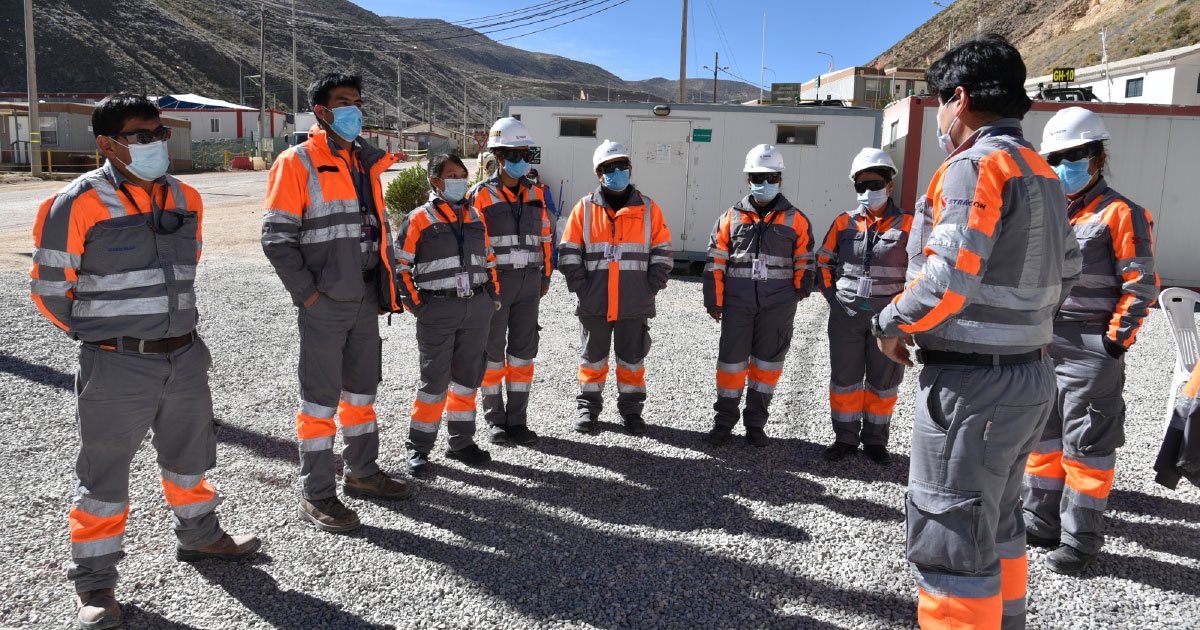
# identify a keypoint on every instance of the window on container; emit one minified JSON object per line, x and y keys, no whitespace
{"x":1133,"y":87}
{"x":214,"y":125}
{"x":49,"y":128}
{"x":796,"y":134}
{"x":577,"y":127}
{"x":895,"y":131}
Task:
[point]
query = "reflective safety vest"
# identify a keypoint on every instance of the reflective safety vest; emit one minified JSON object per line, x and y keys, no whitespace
{"x":1118,"y":283}
{"x":313,"y":230}
{"x":782,"y":243}
{"x":518,"y":226}
{"x":857,"y":246}
{"x":428,"y":253}
{"x":616,"y":264}
{"x":103,"y":269}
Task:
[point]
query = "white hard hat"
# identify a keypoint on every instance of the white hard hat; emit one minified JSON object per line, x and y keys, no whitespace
{"x":764,"y":158}
{"x":608,"y":150}
{"x":509,"y":132}
{"x":871,"y":158}
{"x":1072,"y":127}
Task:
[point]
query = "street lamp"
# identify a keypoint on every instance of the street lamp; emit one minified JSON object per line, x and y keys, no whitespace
{"x":953,"y":23}
{"x":831,"y":66}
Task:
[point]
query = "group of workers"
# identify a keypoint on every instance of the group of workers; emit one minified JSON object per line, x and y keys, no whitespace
{"x":1021,"y":275}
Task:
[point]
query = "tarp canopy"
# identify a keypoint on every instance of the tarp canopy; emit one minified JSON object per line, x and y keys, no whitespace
{"x":195,"y":101}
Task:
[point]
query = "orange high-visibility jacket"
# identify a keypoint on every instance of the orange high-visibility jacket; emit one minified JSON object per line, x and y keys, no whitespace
{"x":429,"y":255}
{"x":103,"y":269}
{"x":858,"y":246}
{"x":616,"y":263}
{"x":312,"y":226}
{"x":784,"y":247}
{"x":530,"y":234}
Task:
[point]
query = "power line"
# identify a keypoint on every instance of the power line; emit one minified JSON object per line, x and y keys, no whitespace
{"x":721,"y":34}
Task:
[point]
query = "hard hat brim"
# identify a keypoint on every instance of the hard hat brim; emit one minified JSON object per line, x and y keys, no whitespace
{"x":761,"y":169}
{"x":1064,"y":145}
{"x":855,"y":174}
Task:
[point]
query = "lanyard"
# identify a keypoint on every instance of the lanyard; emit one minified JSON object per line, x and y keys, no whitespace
{"x":156,"y":209}
{"x":517,"y":210}
{"x":760,"y":227}
{"x":359,"y":177}
{"x":871,"y":243}
{"x":458,"y":233}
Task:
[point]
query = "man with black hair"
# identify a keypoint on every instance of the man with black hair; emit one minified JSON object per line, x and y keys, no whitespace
{"x":326,"y":234}
{"x":999,"y":257}
{"x":114,"y":261}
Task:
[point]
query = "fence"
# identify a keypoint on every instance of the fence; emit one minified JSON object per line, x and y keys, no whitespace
{"x":67,"y":161}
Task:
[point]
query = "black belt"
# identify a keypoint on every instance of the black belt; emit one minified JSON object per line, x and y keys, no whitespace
{"x":145,"y":346}
{"x":938,"y":357}
{"x":450,"y":293}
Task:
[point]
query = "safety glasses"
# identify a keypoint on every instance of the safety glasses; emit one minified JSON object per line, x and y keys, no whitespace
{"x":620,"y":165}
{"x":874,"y":184}
{"x":769,"y":178}
{"x":144,"y":137}
{"x":513,"y":155}
{"x":1072,"y":155}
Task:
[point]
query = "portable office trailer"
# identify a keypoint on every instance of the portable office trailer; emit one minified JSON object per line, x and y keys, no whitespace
{"x":689,"y":158}
{"x":1150,"y":158}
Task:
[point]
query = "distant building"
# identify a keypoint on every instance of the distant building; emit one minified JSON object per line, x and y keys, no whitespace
{"x":865,"y":86}
{"x":427,"y":134}
{"x":214,"y":119}
{"x":1170,"y":77}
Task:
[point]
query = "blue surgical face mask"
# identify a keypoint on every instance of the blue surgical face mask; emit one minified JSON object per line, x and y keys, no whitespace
{"x":455,"y":190}
{"x":516,"y":170}
{"x":944,"y":140}
{"x":148,"y":161}
{"x":1074,"y":175}
{"x":873,"y":199}
{"x":764,"y":192}
{"x":347,"y":122}
{"x":617,"y":180}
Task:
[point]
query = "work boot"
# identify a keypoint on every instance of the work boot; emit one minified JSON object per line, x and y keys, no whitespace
{"x":98,"y":609}
{"x":585,"y":423}
{"x":499,"y":435}
{"x":1068,"y":560}
{"x":418,"y":464}
{"x":719,"y":435}
{"x":1045,"y":542}
{"x":522,"y":435}
{"x":471,"y":455}
{"x":878,"y":453}
{"x":379,"y":485}
{"x":839,"y":451}
{"x":634,"y":424}
{"x":328,"y":515}
{"x":756,"y":436}
{"x":226,"y":548}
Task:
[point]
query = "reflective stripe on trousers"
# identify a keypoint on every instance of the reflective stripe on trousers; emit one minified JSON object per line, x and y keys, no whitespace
{"x":630,"y":342}
{"x":753,"y":346}
{"x":863,"y":383}
{"x":512,"y":344}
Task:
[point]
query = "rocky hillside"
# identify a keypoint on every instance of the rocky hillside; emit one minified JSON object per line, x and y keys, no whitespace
{"x":1056,"y":33}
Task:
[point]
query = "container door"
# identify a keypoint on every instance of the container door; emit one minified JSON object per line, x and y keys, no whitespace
{"x":660,"y":168}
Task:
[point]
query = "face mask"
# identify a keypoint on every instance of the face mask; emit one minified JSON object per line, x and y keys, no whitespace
{"x":347,"y":122}
{"x":455,"y":190}
{"x":764,"y":192}
{"x":533,"y":180}
{"x":516,"y":170}
{"x":943,"y":139}
{"x":148,"y":161}
{"x":873,"y":199}
{"x":617,"y":180}
{"x":1074,"y":175}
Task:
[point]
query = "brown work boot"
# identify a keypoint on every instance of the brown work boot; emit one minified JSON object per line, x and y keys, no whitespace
{"x":226,"y":548}
{"x":378,"y":485}
{"x":328,"y":515}
{"x":98,"y":609}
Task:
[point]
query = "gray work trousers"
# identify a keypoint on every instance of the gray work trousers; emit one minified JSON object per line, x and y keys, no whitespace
{"x":340,"y":370}
{"x":630,"y":341}
{"x":451,"y":333}
{"x":120,"y":395}
{"x":863,"y":383}
{"x":754,"y":343}
{"x":974,"y":428}
{"x":1070,"y":471}
{"x":512,"y":344}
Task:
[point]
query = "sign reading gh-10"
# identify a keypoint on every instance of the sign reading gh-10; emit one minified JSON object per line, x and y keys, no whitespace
{"x":1063,"y":75}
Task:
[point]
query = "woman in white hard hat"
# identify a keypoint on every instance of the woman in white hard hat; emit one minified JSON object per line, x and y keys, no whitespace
{"x":760,"y":265}
{"x":862,"y":263}
{"x":1070,"y":472}
{"x":616,"y":255}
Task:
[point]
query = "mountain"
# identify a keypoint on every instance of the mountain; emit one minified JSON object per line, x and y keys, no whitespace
{"x":1055,"y":33}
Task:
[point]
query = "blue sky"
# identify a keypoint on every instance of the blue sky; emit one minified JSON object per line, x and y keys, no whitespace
{"x":640,"y":38}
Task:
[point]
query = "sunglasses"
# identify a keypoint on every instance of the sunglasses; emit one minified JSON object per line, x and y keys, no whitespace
{"x":145,"y":137}
{"x":622,"y":165}
{"x":770,"y":178}
{"x":874,"y":184}
{"x":513,"y":155}
{"x":1073,"y":155}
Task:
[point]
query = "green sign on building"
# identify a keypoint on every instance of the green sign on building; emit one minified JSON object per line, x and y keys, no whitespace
{"x":702,"y":135}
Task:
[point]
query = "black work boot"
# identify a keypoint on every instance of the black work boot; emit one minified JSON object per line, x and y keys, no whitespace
{"x":719,"y":435}
{"x":634,"y":424}
{"x":878,"y":454}
{"x":470,"y":455}
{"x":328,"y":515}
{"x":98,"y":609}
{"x":756,"y":436}
{"x":1068,"y":560}
{"x":521,"y":434}
{"x":499,"y":435}
{"x":586,"y":422}
{"x":418,"y":464}
{"x":839,"y":451}
{"x":1045,"y":542}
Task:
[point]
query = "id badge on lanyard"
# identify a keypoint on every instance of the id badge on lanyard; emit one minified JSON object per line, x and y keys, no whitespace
{"x":758,"y":269}
{"x":864,"y":287}
{"x":612,"y":252}
{"x":462,"y":282}
{"x":519,"y":258}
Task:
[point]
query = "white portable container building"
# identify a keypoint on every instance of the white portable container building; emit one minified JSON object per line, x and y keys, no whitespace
{"x":1151,"y":155}
{"x":689,"y":158}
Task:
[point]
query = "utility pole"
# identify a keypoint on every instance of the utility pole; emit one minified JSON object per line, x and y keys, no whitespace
{"x":262,"y":80}
{"x":716,"y":68}
{"x":399,"y":105}
{"x":464,"y":138}
{"x":295,"y":89}
{"x":241,"y":82}
{"x":763,"y":69}
{"x":1104,"y":60}
{"x":35,"y":124}
{"x":683,"y":56}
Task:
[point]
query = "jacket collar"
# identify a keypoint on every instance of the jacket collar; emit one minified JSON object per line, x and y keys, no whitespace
{"x":890,"y":210}
{"x":1086,"y":200}
{"x":984,"y":131}
{"x":635,"y":198}
{"x":745,"y":205}
{"x":321,"y":141}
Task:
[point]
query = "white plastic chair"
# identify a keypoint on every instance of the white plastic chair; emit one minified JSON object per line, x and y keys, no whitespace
{"x":1180,"y":307}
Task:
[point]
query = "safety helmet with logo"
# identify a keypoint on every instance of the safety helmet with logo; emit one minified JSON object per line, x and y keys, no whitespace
{"x":764,"y":158}
{"x":608,"y":150}
{"x":509,"y":132}
{"x":1072,"y":127}
{"x":871,"y":158}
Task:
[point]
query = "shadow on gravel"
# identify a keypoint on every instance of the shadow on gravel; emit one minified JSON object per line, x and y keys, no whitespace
{"x":134,"y":616}
{"x":264,"y":445}
{"x":1169,"y":538}
{"x":1151,"y":505}
{"x":36,"y":373}
{"x":1166,"y":576}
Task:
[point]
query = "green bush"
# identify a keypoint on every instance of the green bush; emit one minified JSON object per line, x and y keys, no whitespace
{"x":1179,"y":30}
{"x":406,"y":193}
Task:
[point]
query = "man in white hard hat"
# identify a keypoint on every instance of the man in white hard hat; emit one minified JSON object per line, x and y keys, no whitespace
{"x":759,"y":267}
{"x":519,"y":228}
{"x":1070,"y":472}
{"x":616,"y":255}
{"x":862,"y":263}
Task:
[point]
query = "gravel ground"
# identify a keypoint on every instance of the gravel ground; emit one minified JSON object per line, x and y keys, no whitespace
{"x":602,"y":531}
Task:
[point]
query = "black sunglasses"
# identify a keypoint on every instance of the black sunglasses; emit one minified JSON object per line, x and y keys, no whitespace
{"x":607,"y":169}
{"x":874,"y":184}
{"x":1073,"y":155}
{"x":513,"y":155}
{"x":145,"y":137}
{"x":770,"y":178}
